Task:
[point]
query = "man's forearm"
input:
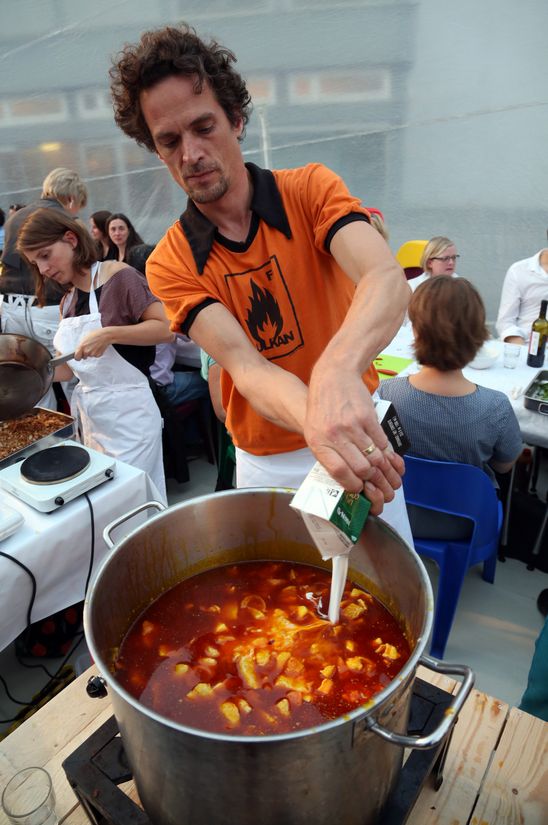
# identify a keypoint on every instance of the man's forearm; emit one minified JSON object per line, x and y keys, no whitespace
{"x":276,"y":394}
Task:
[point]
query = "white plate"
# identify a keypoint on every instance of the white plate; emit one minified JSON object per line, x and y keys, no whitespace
{"x":485,"y":358}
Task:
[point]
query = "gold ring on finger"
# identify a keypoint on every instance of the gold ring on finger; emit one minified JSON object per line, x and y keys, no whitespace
{"x":370,"y":449}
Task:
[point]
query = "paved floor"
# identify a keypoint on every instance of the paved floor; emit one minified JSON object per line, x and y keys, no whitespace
{"x":494,"y":631}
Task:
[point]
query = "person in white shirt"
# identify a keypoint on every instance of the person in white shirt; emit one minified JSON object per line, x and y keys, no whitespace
{"x":525,"y":286}
{"x":438,"y":258}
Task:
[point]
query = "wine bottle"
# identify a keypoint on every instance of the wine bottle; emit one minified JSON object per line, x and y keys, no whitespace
{"x":537,"y":342}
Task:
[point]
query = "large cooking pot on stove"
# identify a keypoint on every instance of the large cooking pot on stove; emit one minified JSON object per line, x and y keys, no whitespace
{"x":340,"y":772}
{"x":26,"y":373}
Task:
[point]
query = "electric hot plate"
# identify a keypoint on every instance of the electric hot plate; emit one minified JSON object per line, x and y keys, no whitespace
{"x":55,"y":464}
{"x":52,"y":477}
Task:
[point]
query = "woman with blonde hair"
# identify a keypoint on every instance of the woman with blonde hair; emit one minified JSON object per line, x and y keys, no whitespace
{"x":112,"y":321}
{"x":67,"y":187}
{"x":438,"y":258}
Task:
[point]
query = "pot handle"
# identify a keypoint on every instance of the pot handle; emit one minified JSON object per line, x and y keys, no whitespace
{"x":435,"y":737}
{"x":118,"y":521}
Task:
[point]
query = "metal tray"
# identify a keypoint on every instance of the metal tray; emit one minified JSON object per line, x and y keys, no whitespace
{"x":532,"y":403}
{"x":66,"y":430}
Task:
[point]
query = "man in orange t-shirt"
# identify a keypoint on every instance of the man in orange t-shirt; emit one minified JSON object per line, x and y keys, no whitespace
{"x":277,"y":275}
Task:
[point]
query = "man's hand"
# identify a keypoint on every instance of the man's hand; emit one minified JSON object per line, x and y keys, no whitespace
{"x":94,"y":344}
{"x":340,"y":428}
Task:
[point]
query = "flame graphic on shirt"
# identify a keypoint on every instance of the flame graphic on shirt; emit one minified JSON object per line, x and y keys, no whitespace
{"x":264,"y":319}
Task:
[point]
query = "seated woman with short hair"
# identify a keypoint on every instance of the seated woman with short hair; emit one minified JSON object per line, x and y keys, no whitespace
{"x":439,"y":257}
{"x":446,"y":416}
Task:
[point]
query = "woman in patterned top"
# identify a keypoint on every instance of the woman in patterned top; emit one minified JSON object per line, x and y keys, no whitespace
{"x":446,"y":416}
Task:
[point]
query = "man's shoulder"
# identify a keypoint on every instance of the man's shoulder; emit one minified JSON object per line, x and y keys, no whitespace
{"x":524,"y":263}
{"x":301,"y":174}
{"x":313,"y":185}
{"x":172,"y":247}
{"x":19,"y":217}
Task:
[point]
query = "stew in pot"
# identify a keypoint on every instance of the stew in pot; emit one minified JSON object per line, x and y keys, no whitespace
{"x":247,"y":649}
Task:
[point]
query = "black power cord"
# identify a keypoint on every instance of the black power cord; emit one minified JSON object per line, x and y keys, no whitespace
{"x":52,"y":677}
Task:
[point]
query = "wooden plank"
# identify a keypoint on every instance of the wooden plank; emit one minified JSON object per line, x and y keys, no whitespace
{"x":515,"y":789}
{"x":520,"y":763}
{"x":475,"y":735}
{"x":50,"y":728}
{"x":437,"y":679}
{"x":52,"y":734}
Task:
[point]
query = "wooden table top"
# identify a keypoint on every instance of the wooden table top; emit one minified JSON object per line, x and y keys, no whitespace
{"x":496,"y":771}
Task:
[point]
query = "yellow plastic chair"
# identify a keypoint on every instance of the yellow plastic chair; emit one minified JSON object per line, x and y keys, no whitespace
{"x":409,"y":258}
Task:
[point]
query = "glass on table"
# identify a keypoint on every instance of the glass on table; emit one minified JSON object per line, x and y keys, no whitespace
{"x":511,"y":355}
{"x":29,"y":798}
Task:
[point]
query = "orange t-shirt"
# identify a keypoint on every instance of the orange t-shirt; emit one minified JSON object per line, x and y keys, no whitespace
{"x":283,"y":286}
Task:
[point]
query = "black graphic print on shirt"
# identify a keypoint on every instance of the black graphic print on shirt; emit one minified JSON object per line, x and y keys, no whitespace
{"x":266,"y":310}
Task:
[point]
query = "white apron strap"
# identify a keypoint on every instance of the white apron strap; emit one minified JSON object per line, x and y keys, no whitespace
{"x":93,"y":305}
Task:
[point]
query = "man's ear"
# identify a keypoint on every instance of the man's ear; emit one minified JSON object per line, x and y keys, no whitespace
{"x":238,"y":124}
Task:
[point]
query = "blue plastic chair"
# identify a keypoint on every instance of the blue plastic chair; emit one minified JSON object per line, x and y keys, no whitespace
{"x":459,"y":490}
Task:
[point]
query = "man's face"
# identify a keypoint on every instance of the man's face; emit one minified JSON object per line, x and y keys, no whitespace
{"x":193,"y":137}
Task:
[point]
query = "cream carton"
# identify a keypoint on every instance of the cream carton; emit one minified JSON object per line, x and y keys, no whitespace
{"x":334,"y":517}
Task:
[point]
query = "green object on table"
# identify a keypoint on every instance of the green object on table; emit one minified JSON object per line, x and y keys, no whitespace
{"x":391,"y":362}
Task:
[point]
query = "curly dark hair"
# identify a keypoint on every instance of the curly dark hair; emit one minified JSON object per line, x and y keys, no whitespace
{"x":172,"y":51}
{"x":448,"y":317}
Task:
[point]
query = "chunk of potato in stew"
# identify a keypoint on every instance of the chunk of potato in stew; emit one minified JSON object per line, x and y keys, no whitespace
{"x":247,"y":649}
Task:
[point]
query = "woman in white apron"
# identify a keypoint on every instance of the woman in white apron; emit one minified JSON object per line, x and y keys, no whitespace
{"x":112,"y":402}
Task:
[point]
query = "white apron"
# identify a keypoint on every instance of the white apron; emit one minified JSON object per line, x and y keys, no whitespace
{"x":112,"y":402}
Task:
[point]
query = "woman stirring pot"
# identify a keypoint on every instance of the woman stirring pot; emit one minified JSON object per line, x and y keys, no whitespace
{"x":112,"y":321}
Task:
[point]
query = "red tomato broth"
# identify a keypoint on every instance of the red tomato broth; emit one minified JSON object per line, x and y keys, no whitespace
{"x":242,"y":649}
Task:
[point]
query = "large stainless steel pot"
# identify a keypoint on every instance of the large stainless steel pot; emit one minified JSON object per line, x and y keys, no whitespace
{"x":339,"y":772}
{"x":26,"y":373}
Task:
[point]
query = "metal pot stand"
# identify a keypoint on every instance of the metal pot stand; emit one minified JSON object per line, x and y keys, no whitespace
{"x":97,"y":768}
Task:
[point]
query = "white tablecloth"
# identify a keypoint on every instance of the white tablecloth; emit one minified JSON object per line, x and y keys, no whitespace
{"x":533,"y":425}
{"x":56,"y":547}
